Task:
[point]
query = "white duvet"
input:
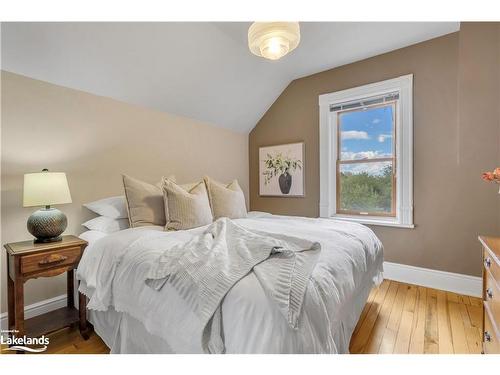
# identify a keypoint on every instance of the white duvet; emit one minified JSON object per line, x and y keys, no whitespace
{"x":112,"y":273}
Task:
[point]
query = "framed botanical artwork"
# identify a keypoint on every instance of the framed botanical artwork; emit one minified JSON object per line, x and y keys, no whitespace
{"x":281,"y":170}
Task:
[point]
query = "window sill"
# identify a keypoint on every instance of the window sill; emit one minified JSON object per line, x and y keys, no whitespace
{"x":371,"y":220}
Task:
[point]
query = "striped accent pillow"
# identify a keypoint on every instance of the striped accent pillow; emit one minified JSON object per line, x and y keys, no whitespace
{"x":186,"y":207}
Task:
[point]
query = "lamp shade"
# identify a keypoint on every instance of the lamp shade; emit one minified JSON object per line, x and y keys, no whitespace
{"x":45,"y":189}
{"x":273,"y":40}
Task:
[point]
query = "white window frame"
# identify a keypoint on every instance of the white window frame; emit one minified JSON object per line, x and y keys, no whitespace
{"x":404,"y":150}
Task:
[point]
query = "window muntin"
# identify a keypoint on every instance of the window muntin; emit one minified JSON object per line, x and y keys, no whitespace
{"x":366,"y":162}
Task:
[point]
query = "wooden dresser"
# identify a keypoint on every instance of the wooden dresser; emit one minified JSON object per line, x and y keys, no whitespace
{"x":491,"y":294}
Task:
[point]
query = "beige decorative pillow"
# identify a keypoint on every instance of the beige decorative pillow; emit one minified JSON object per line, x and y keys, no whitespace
{"x":186,"y":187}
{"x":144,"y":203}
{"x":226,"y":200}
{"x":186,"y":206}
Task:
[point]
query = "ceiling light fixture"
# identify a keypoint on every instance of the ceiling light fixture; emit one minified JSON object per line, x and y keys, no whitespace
{"x":273,"y":40}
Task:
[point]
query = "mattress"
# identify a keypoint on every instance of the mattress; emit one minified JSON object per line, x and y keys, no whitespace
{"x":132,"y":318}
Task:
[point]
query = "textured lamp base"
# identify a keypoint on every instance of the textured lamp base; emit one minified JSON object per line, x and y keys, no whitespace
{"x":45,"y":240}
{"x":47,"y":224}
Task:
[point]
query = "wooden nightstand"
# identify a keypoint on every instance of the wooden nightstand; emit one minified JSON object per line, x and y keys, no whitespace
{"x":29,"y":260}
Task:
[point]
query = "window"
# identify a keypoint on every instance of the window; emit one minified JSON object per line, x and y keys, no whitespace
{"x":366,"y":153}
{"x":366,"y":159}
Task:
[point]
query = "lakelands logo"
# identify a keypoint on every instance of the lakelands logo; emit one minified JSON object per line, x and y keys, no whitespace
{"x":23,"y":343}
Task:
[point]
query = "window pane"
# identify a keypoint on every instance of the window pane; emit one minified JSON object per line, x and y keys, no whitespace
{"x":366,"y":187}
{"x":366,"y":133}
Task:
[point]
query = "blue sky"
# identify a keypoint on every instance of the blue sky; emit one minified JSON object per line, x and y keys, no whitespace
{"x":366,"y":134}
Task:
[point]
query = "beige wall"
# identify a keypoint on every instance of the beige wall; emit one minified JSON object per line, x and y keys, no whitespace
{"x":456,"y":133}
{"x":95,"y":139}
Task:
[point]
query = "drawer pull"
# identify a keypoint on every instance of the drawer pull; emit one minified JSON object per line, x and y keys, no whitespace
{"x":52,"y":258}
{"x":487,"y":336}
{"x":489,"y":293}
{"x":487,"y":262}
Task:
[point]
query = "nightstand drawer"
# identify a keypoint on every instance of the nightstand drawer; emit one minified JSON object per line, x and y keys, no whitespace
{"x":46,"y":260}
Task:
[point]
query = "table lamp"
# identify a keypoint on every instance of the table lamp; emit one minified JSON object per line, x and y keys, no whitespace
{"x":45,"y":189}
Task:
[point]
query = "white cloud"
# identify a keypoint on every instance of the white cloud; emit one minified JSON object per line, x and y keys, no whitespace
{"x":349,"y":155}
{"x":373,"y":169}
{"x":355,"y":134}
{"x":376,"y":120}
{"x":382,"y":137}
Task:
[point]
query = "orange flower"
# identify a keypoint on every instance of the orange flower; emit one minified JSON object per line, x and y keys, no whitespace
{"x":488,"y":176}
{"x":492,"y":176}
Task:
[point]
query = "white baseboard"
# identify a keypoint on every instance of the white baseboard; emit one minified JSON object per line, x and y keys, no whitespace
{"x":37,"y":308}
{"x":448,"y":281}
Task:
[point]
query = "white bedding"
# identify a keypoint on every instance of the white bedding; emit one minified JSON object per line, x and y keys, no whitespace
{"x":114,"y":268}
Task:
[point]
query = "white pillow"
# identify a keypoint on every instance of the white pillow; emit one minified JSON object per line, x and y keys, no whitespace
{"x":92,"y":235}
{"x":106,"y":224}
{"x":113,"y":207}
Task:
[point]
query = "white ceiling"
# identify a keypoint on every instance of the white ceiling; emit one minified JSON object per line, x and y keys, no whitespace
{"x":198,"y":70}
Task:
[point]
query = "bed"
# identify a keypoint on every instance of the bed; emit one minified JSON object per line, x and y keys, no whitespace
{"x":131,"y":317}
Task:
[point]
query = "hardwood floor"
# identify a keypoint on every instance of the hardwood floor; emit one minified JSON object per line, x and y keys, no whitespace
{"x":401,"y":318}
{"x":398,"y":318}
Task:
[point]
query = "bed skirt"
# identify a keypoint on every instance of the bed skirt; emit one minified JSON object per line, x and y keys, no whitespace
{"x":124,"y":334}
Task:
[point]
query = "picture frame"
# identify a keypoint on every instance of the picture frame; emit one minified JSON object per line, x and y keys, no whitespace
{"x":282,"y":170}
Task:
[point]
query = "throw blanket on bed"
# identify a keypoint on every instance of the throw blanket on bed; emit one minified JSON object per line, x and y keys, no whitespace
{"x":207,"y":267}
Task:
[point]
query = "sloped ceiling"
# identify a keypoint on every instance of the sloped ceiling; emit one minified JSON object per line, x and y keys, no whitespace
{"x":198,"y":70}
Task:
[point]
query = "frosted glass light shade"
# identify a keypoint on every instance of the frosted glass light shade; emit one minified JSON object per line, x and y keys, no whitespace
{"x":273,"y":40}
{"x":45,"y":189}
